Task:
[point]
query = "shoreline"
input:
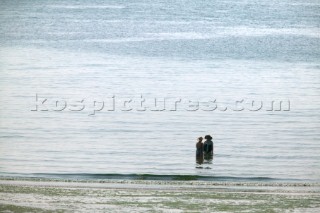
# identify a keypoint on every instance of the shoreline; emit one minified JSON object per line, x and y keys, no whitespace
{"x":166,"y":182}
{"x":50,"y":195}
{"x":157,"y":177}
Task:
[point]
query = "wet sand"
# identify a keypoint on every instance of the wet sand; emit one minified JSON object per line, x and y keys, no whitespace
{"x":52,"y":195}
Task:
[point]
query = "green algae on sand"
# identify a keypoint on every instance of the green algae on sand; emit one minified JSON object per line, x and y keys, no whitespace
{"x":142,"y":196}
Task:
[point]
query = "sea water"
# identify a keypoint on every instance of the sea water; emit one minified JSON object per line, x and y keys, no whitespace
{"x":73,"y":75}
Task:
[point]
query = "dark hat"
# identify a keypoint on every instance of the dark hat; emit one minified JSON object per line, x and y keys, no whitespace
{"x":208,"y":137}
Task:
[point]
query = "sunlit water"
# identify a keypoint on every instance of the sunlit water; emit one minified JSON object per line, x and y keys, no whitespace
{"x":193,"y":50}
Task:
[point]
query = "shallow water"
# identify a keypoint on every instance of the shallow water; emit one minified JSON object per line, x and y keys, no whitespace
{"x":224,"y":50}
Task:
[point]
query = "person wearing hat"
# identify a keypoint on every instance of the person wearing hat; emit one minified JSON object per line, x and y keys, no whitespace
{"x":208,"y":146}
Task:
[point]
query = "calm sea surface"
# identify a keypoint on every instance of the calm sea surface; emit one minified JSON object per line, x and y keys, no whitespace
{"x":227,"y":51}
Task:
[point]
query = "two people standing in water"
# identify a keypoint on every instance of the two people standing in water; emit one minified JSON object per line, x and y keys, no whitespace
{"x":204,"y":150}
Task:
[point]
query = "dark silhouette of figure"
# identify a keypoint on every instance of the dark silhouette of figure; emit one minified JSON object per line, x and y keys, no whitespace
{"x":208,"y":148}
{"x":199,"y":151}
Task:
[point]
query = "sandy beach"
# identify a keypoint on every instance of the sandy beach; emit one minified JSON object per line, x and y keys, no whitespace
{"x":53,"y":195}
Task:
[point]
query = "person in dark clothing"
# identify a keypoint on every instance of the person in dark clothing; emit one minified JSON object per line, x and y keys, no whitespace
{"x":208,"y":147}
{"x":199,"y":151}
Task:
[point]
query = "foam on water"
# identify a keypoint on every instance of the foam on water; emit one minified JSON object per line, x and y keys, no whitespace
{"x":87,"y":6}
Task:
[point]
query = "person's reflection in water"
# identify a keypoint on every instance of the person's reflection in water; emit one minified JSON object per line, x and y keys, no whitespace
{"x":199,"y":152}
{"x":208,"y":149}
